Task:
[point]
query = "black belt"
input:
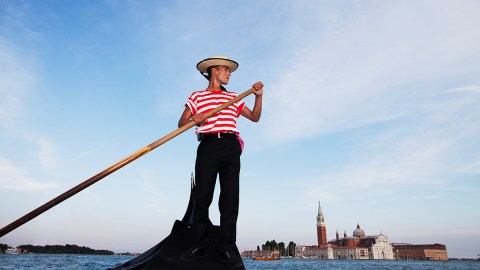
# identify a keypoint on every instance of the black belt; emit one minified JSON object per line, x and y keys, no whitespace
{"x":216,"y":136}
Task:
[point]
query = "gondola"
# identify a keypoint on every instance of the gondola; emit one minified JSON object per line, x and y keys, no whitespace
{"x":165,"y":254}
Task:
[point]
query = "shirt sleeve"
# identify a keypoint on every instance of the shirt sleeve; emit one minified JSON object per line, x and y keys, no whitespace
{"x":191,"y":104}
{"x":241,"y":105}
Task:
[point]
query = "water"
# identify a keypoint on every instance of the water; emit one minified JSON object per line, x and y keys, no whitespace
{"x":299,"y":264}
{"x":96,"y":262}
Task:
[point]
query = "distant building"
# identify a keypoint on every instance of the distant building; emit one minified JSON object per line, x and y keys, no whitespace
{"x":434,"y":252}
{"x":359,"y":246}
{"x":261,"y":253}
{"x":321,"y":227}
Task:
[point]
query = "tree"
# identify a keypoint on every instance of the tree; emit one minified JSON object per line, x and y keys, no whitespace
{"x":66,"y":249}
{"x":284,"y":251}
{"x":281,"y":248}
{"x":270,"y":245}
{"x":3,"y":247}
{"x":291,"y":248}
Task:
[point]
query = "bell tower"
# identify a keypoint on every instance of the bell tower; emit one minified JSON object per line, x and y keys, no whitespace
{"x":321,"y":228}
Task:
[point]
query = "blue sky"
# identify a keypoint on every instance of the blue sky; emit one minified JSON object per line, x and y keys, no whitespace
{"x":371,"y":107}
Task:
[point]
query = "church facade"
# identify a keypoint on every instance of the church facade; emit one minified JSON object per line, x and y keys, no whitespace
{"x":359,"y":246}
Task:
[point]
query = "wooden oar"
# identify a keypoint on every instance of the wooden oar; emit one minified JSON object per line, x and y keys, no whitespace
{"x":19,"y":222}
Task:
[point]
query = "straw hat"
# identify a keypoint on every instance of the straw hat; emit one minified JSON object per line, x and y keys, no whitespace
{"x":203,"y":65}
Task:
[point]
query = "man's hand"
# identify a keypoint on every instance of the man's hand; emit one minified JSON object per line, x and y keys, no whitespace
{"x":198,"y":118}
{"x":258,"y":88}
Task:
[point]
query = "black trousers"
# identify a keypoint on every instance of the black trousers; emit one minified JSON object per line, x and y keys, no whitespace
{"x":222,"y":157}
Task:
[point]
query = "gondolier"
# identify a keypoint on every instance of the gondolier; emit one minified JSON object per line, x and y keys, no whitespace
{"x":218,"y":154}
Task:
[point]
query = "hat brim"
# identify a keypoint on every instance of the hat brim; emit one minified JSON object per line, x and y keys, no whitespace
{"x":203,"y":65}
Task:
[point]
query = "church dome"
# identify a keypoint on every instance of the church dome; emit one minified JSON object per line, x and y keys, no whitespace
{"x":358,"y":232}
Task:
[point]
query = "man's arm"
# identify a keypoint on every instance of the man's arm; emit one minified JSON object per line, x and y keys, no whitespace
{"x":254,"y":115}
{"x":185,"y":118}
{"x":187,"y":114}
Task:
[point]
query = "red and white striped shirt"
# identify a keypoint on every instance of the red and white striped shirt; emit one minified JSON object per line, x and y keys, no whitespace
{"x":226,"y":120}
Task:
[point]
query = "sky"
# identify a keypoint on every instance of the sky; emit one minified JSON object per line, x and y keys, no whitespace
{"x":370,"y":107}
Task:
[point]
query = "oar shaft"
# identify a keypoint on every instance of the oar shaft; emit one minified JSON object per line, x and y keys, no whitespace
{"x":92,"y":180}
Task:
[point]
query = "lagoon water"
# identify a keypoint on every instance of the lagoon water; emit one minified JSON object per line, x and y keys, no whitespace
{"x":96,"y":262}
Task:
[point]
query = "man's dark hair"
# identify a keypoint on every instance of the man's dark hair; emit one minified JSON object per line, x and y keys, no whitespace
{"x":209,"y":70}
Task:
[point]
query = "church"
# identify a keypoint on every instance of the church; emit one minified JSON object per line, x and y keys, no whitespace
{"x":359,"y":246}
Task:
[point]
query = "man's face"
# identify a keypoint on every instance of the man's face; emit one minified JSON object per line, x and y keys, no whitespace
{"x":222,"y":73}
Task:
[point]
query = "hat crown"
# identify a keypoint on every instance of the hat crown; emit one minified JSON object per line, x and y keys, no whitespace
{"x":218,"y":57}
{"x":203,"y":65}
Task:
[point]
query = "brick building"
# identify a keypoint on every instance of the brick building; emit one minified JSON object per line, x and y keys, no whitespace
{"x":435,"y":252}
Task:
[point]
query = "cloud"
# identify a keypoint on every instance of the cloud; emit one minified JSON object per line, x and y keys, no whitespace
{"x":468,"y":88}
{"x":14,"y":178}
{"x":155,"y":196}
{"x":433,"y":149}
{"x":401,"y":82}
{"x":16,"y":83}
{"x":17,"y":74}
{"x":425,"y":197}
{"x":47,"y":154}
{"x":371,"y":67}
{"x":19,"y":82}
